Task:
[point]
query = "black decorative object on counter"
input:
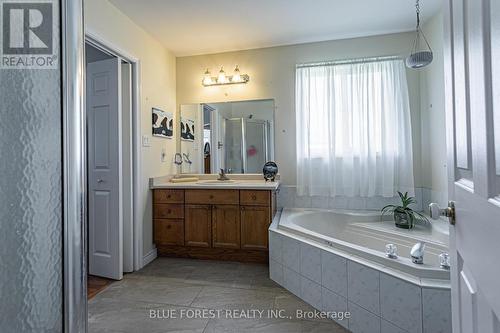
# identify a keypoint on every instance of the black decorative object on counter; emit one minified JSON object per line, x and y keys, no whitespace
{"x":270,"y":171}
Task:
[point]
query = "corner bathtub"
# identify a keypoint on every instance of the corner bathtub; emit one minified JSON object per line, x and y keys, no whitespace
{"x":365,"y":235}
{"x":335,"y":260}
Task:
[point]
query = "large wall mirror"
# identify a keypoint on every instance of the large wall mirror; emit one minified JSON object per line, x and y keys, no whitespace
{"x":235,"y":136}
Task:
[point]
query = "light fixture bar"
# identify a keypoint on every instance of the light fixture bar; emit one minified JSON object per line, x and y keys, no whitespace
{"x":244,"y":79}
{"x":223,"y":79}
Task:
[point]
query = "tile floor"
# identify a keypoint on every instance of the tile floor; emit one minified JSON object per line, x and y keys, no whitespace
{"x":185,"y":287}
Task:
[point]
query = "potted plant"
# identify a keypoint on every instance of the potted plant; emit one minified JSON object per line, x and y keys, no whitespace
{"x":404,"y":216}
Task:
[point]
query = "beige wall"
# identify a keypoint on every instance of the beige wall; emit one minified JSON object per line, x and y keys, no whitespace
{"x":434,"y":172}
{"x":157,"y":78}
{"x":272,"y":75}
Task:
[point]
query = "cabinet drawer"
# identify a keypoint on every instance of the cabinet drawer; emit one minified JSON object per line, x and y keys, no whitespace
{"x":168,"y":196}
{"x":169,"y":232}
{"x":257,"y":198}
{"x":208,"y":197}
{"x":168,"y":211}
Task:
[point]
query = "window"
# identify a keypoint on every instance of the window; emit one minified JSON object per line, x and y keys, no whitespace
{"x":353,"y":129}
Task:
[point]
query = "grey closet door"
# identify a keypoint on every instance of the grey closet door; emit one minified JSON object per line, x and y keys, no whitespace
{"x":31,"y":225}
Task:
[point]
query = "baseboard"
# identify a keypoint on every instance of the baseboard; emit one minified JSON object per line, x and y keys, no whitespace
{"x":149,"y":257}
{"x":258,"y":256}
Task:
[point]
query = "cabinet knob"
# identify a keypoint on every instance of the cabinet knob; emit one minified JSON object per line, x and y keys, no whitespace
{"x":254,"y":197}
{"x":211,"y":196}
{"x":242,"y":208}
{"x":169,"y":196}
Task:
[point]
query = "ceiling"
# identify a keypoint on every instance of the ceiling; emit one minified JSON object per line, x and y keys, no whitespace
{"x":190,"y":27}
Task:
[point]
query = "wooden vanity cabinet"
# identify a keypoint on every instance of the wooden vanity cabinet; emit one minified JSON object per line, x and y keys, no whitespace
{"x":168,"y":217}
{"x":213,"y":223}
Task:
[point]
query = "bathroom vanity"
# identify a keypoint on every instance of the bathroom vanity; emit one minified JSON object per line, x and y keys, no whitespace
{"x":210,"y":220}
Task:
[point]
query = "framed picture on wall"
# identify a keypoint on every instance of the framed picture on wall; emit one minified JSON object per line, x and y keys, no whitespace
{"x":187,"y":129}
{"x":163,"y":123}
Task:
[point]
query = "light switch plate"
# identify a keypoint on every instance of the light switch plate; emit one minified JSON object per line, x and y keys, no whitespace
{"x":163,"y":155}
{"x":146,"y":142}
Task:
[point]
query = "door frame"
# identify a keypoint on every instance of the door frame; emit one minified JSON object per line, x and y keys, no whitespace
{"x":107,"y":46}
{"x":74,"y":167}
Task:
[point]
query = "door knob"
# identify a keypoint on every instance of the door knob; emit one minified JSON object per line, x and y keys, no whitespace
{"x":435,"y":212}
{"x":100,"y":181}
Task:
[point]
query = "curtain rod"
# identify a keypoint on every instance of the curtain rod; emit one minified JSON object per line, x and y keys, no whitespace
{"x":349,"y":61}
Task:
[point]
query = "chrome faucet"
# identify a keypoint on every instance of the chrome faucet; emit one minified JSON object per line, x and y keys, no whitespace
{"x":222,"y":175}
{"x":186,"y":158}
{"x":417,"y":253}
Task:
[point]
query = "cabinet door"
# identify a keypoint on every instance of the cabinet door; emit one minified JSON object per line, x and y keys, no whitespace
{"x":226,"y":226}
{"x":168,"y":232}
{"x":255,"y":222}
{"x":198,"y":225}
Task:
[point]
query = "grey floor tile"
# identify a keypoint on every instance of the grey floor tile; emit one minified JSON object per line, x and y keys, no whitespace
{"x":253,"y":326}
{"x":110,"y":315}
{"x":212,"y":297}
{"x":154,"y":291}
{"x":177,"y":284}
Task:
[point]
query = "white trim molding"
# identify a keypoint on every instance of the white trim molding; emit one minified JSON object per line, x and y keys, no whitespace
{"x":138,"y":196}
{"x":152,"y":255}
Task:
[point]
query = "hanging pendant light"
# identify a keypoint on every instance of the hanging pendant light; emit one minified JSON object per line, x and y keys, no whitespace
{"x":419,"y":57}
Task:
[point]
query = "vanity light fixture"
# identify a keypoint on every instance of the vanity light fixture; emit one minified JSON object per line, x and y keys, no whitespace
{"x":236,"y":76}
{"x":222,"y":76}
{"x":223,"y":79}
{"x":207,"y":79}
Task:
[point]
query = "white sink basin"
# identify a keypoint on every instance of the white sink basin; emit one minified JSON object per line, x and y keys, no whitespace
{"x":216,"y":182}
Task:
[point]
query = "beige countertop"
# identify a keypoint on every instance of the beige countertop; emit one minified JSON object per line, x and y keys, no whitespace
{"x":209,"y":182}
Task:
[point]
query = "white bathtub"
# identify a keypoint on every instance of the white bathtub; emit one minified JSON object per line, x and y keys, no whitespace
{"x":335,"y":261}
{"x":364,"y":235}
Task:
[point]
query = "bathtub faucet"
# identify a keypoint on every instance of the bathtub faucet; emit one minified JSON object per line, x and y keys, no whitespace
{"x":417,"y":253}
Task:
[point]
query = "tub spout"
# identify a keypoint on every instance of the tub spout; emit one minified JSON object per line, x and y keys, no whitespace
{"x":417,"y":253}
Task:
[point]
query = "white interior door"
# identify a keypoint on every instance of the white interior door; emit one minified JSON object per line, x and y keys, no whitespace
{"x":472,"y":50}
{"x":105,"y":168}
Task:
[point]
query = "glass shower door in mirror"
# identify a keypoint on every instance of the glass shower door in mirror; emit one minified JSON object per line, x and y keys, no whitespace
{"x":233,"y":137}
{"x":256,"y":146}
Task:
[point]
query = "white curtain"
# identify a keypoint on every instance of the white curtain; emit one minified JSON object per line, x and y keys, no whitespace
{"x":353,"y":129}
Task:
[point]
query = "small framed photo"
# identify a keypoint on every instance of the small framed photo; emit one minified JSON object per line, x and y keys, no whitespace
{"x":187,"y":129}
{"x":163,"y":123}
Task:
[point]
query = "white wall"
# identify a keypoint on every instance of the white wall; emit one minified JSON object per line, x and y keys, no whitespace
{"x":434,"y":172}
{"x":157,"y":66}
{"x":272,"y":76}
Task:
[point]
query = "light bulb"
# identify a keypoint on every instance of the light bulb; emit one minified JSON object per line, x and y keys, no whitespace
{"x":222,"y":76}
{"x":207,"y":79}
{"x":236,"y":76}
